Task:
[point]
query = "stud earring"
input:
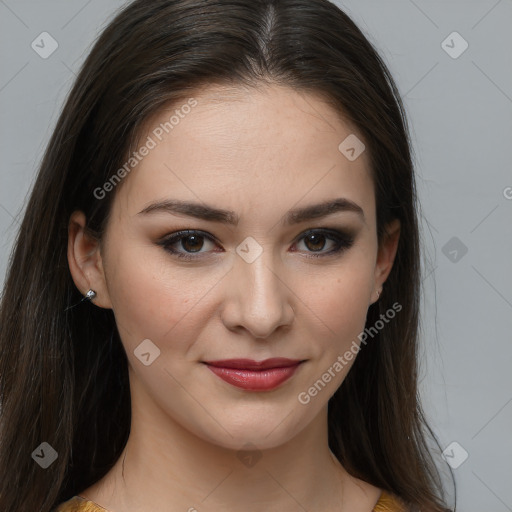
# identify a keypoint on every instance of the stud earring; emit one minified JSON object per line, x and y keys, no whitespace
{"x":91,"y":294}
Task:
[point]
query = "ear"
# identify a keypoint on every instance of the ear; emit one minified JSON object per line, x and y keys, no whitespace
{"x":85,"y":263}
{"x":386,"y":255}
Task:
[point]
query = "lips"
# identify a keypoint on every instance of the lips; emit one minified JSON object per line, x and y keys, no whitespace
{"x":254,"y":375}
{"x":250,"y":364}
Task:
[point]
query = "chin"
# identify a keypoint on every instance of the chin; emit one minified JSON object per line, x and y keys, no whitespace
{"x":252,"y":432}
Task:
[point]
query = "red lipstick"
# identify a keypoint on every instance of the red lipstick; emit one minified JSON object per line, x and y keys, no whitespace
{"x":254,"y":375}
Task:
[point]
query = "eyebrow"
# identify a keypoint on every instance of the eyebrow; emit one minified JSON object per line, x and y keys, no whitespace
{"x":294,"y":216}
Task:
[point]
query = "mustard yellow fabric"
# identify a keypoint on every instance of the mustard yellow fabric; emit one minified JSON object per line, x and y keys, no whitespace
{"x":79,"y":504}
{"x":387,"y":503}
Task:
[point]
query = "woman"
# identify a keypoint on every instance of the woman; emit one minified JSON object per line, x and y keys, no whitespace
{"x":213,"y":298}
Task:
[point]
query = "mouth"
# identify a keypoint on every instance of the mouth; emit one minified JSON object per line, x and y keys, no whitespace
{"x":255,"y":375}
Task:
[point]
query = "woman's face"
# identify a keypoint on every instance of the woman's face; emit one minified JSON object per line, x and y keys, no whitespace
{"x":257,"y":287}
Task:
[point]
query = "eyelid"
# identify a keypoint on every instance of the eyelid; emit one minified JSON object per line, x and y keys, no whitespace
{"x":343,"y":238}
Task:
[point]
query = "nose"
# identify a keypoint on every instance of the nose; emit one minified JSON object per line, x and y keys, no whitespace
{"x":257,"y":298}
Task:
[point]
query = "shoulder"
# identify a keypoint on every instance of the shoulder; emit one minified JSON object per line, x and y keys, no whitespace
{"x":79,"y":504}
{"x":389,"y":503}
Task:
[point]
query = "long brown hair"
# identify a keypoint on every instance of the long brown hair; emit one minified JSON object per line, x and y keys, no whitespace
{"x":63,"y":369}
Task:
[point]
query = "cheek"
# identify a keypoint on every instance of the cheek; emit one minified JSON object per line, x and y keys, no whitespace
{"x":340,"y":296}
{"x":152,"y":299}
{"x":336,"y":304}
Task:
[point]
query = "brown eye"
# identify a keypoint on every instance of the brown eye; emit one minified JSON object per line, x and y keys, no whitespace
{"x":186,"y":244}
{"x":315,"y":242}
{"x":192,"y":243}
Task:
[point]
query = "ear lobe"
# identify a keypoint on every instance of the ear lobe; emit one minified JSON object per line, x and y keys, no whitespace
{"x":84,"y":260}
{"x":387,"y":252}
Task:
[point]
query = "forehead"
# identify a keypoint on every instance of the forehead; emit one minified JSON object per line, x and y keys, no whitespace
{"x":247,"y":148}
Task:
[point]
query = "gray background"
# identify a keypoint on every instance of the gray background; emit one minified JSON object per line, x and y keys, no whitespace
{"x":460,"y":115}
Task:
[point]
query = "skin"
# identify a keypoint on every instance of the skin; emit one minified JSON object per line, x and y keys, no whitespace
{"x":258,"y":152}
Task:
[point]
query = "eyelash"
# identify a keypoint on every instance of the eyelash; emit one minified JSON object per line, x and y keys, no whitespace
{"x":343,"y":242}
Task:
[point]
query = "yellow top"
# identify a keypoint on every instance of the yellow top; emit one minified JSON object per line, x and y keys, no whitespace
{"x":387,"y":503}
